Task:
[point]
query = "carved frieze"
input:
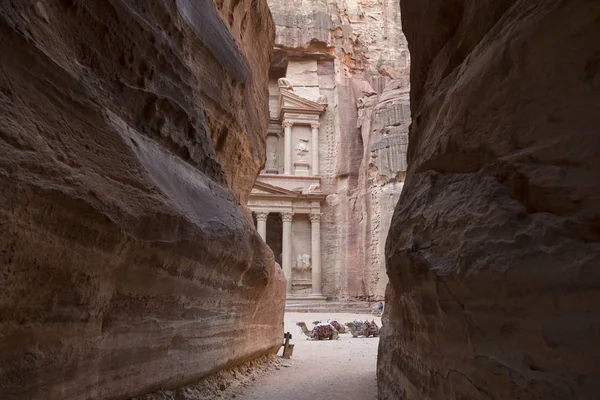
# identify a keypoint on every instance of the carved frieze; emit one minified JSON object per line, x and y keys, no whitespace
{"x":302,"y":117}
{"x":268,"y":203}
{"x":304,"y":204}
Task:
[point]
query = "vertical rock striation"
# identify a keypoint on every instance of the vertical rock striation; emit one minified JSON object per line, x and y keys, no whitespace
{"x":494,"y":246}
{"x":383,"y":122}
{"x":129,"y":133}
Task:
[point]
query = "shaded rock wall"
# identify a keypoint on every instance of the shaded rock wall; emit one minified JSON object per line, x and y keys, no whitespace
{"x":494,"y":246}
{"x":129,"y":131}
{"x":359,"y":48}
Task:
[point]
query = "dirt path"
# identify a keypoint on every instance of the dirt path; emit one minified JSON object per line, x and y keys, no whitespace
{"x":328,"y":370}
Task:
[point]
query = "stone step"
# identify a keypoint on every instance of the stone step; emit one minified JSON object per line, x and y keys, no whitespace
{"x":309,"y":304}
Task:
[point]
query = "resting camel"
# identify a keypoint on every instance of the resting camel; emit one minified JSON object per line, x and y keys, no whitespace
{"x":338,"y":327}
{"x":366,"y":328}
{"x":320,"y":332}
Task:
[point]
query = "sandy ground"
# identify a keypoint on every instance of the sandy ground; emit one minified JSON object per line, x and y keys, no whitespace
{"x":318,"y":370}
{"x":328,"y":370}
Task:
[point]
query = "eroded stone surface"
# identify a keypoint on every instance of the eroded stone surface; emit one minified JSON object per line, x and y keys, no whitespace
{"x":129,"y":132}
{"x":383,"y":121}
{"x":494,"y":246}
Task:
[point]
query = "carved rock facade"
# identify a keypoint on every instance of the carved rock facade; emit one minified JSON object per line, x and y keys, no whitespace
{"x":494,"y":246}
{"x":130,"y":131}
{"x":352,"y":58}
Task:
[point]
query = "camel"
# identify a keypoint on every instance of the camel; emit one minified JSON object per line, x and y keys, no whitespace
{"x":338,"y":327}
{"x":365,"y":329}
{"x":320,"y":332}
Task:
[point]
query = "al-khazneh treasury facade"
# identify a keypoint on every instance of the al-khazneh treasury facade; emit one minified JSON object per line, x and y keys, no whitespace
{"x":336,"y":144}
{"x":288,"y":191}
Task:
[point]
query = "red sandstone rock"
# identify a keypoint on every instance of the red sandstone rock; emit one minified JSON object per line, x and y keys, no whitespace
{"x":128,"y":132}
{"x":493,"y":252}
{"x":384,"y":122}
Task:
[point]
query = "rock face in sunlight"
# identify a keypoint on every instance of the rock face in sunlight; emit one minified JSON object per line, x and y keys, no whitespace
{"x":494,"y":246}
{"x":130,"y":132}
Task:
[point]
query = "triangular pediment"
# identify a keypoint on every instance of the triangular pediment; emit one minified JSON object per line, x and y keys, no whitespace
{"x":289,"y":101}
{"x":262,"y":188}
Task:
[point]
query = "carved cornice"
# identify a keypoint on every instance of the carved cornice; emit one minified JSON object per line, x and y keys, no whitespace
{"x":262,"y":216}
{"x":287,"y":217}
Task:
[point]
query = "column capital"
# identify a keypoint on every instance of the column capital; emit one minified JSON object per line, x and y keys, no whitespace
{"x":262,"y":216}
{"x":287,"y":124}
{"x":315,"y":125}
{"x":314,"y":217}
{"x":287,"y":216}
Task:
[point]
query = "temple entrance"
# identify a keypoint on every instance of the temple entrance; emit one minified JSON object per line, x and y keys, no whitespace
{"x":290,"y":223}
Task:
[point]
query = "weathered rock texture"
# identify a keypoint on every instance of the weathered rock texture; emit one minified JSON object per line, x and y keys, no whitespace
{"x":384,"y":122}
{"x":349,"y":51}
{"x":128,"y":132}
{"x":494,"y":248}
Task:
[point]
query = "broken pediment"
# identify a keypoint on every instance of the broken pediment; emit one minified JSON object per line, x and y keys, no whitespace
{"x":291,"y":102}
{"x":265,"y":188}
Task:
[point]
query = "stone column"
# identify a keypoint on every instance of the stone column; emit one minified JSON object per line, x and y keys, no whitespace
{"x":315,"y":222}
{"x":261,"y":224}
{"x":315,"y":148}
{"x":287,"y":148}
{"x":286,"y":257}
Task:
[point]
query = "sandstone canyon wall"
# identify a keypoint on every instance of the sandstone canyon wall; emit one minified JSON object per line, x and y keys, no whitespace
{"x":129,"y":133}
{"x":354,"y":53}
{"x":494,"y":248}
{"x":383,"y":122}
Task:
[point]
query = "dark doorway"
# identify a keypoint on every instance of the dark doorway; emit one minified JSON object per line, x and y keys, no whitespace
{"x":274,"y":235}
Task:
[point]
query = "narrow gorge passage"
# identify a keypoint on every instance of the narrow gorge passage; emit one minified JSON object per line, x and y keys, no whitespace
{"x":174,"y":174}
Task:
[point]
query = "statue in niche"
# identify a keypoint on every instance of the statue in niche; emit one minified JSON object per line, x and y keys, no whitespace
{"x":271,"y":154}
{"x":302,"y":148}
{"x":285,"y":84}
{"x":272,"y":158}
{"x":303,"y":261}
